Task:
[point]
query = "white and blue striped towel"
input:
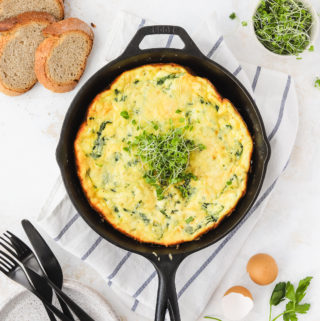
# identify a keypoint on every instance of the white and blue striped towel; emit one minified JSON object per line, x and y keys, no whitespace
{"x":132,"y":276}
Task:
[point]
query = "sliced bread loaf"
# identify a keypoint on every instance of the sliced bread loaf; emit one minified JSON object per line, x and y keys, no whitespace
{"x":11,"y":8}
{"x":61,"y":58}
{"x":19,"y":38}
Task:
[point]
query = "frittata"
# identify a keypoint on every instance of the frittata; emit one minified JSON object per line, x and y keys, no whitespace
{"x":162,"y":156}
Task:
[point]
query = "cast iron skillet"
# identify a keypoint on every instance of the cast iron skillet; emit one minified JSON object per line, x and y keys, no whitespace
{"x":228,"y":86}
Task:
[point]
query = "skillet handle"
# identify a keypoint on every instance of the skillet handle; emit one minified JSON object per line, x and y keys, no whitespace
{"x":189,"y":46}
{"x":167,"y":294}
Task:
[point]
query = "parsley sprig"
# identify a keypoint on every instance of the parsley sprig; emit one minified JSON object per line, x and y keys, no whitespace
{"x":283,"y":26}
{"x":166,"y":159}
{"x":286,"y":290}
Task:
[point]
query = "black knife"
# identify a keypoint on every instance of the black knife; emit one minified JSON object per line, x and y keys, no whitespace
{"x":47,"y":259}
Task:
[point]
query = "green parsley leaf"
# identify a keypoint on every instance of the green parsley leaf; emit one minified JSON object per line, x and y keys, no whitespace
{"x":286,"y":290}
{"x":233,"y":16}
{"x":125,"y":114}
{"x":317,"y":83}
{"x":278,"y":293}
{"x":244,"y":23}
{"x":311,"y":48}
{"x":290,"y":292}
{"x":302,"y":288}
{"x":302,"y":308}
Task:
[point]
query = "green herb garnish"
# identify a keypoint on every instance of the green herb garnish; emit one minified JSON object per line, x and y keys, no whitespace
{"x":317,"y":83}
{"x":161,"y":80}
{"x":233,"y":16}
{"x":285,"y":291}
{"x":166,"y":159}
{"x":311,"y":48}
{"x":124,"y":114}
{"x":190,"y":219}
{"x":100,"y":141}
{"x":283,"y":26}
{"x":244,"y":23}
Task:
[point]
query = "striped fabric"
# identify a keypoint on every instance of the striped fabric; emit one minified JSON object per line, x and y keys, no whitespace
{"x":130,"y":275}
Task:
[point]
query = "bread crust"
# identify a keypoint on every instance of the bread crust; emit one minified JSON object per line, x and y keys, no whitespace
{"x":53,"y":34}
{"x":8,"y":28}
{"x":102,"y":212}
{"x":60,"y":17}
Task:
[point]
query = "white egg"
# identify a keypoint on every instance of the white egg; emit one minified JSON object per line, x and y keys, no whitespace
{"x":237,"y":305}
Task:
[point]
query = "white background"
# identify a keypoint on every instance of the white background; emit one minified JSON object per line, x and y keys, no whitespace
{"x":30,"y":125}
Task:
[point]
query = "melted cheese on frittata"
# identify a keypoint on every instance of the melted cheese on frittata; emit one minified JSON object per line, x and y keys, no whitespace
{"x":112,"y":178}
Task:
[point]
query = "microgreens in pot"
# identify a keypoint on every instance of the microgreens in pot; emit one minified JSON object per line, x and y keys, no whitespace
{"x":283,"y":26}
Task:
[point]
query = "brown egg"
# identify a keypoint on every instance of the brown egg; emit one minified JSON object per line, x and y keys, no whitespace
{"x":239,"y":289}
{"x":262,"y":269}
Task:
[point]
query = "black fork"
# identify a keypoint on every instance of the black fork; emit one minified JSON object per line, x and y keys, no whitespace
{"x":18,"y":249}
{"x":37,"y":280}
{"x":11,"y":268}
{"x":22,"y":252}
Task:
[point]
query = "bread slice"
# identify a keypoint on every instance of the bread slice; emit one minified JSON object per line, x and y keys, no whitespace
{"x":61,"y":58}
{"x":11,"y":8}
{"x":19,"y":38}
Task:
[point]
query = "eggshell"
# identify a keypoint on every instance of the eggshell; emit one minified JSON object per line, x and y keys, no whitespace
{"x":240,"y":289}
{"x":262,"y":269}
{"x":237,"y":303}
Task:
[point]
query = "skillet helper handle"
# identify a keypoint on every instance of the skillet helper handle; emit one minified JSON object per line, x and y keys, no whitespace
{"x":189,"y":46}
{"x":167,"y":294}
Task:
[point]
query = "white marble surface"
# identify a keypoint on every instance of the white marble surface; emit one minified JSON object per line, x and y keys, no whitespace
{"x":30,"y":125}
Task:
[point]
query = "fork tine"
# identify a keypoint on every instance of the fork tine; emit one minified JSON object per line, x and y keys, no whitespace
{"x":9,"y":258}
{"x":3,"y":270}
{"x":15,"y":238}
{"x":15,"y":244}
{"x":6,"y":259}
{"x":7,"y":248}
{"x":5,"y":240}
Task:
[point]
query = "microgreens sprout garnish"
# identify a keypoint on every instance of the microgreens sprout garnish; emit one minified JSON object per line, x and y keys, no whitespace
{"x":166,"y":158}
{"x":283,"y":26}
